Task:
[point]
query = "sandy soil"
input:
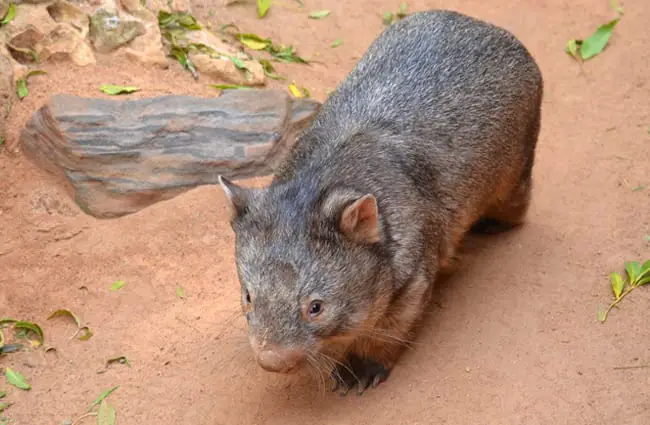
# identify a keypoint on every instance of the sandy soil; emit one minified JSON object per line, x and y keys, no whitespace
{"x":512,"y":337}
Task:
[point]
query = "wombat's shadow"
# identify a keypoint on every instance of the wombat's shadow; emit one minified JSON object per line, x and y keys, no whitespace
{"x":303,"y":396}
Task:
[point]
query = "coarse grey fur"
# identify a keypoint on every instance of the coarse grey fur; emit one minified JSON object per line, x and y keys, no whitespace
{"x":438,"y":122}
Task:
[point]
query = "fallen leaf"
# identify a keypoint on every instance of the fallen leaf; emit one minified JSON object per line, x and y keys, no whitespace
{"x":337,"y":43}
{"x":617,"y":284}
{"x":639,"y":188}
{"x":572,"y":47}
{"x":403,"y":10}
{"x":16,"y":379}
{"x":263,"y":7}
{"x":180,"y":292}
{"x":9,"y":16}
{"x":80,"y":328}
{"x":229,"y":87}
{"x":115,"y":90}
{"x":269,"y":71}
{"x":117,"y":285}
{"x":601,"y":314}
{"x":177,"y":20}
{"x":21,"y":83}
{"x":102,"y":396}
{"x":7,"y":321}
{"x":4,"y":405}
{"x":85,"y":332}
{"x":387,"y":18}
{"x":633,"y":270}
{"x":319,"y":14}
{"x":106,"y":414}
{"x":253,"y":41}
{"x":64,"y":312}
{"x":298,"y":91}
{"x":596,"y":43}
{"x":238,"y":62}
{"x":32,"y":327}
{"x":3,"y":394}
{"x":646,"y":238}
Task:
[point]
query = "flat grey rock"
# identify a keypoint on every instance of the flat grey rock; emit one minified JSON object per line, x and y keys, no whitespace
{"x":119,"y":156}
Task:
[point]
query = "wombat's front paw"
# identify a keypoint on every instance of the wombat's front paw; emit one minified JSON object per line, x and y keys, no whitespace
{"x":360,"y":372}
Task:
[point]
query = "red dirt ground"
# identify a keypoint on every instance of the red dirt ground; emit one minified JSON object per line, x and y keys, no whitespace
{"x":512,"y":337}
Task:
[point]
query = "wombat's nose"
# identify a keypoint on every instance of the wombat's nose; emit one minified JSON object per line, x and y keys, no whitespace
{"x":280,"y":360}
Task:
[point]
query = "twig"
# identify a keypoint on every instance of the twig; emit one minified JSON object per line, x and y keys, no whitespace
{"x":82,"y":417}
{"x":639,"y":366}
{"x":615,"y":303}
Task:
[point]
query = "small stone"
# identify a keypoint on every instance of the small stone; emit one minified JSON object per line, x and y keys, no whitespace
{"x":66,"y":43}
{"x":224,"y":69}
{"x":25,"y":41}
{"x":148,"y":48}
{"x":109,"y":31}
{"x":62,"y":11}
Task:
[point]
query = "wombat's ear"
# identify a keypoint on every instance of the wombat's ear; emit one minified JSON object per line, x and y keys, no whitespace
{"x":360,"y":220}
{"x":237,"y":196}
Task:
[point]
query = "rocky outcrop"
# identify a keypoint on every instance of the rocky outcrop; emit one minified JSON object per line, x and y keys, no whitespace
{"x":119,"y":156}
{"x":109,"y":31}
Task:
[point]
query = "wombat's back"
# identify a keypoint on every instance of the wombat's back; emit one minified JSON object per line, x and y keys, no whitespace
{"x":446,"y":85}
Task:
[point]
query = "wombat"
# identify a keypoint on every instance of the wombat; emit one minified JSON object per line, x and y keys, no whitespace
{"x":431,"y":135}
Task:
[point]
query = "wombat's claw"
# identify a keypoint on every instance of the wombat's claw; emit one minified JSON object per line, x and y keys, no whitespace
{"x":362,"y":373}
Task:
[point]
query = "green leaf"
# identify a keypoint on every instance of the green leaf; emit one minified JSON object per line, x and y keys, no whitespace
{"x":7,"y":321}
{"x":103,"y":396}
{"x":117,"y":285}
{"x":263,"y":7}
{"x":21,"y":88}
{"x":16,"y":379}
{"x":253,"y":41}
{"x":643,"y":281}
{"x":68,"y":313}
{"x":646,"y":238}
{"x":337,"y":43}
{"x":596,"y":43}
{"x":269,"y":71}
{"x":639,"y":188}
{"x":238,"y":62}
{"x":11,"y":14}
{"x":298,"y":91}
{"x":319,"y":14}
{"x":85,"y":332}
{"x":177,"y":20}
{"x":387,"y":18}
{"x":4,"y":405}
{"x":572,"y":47}
{"x":106,"y":414}
{"x":617,"y":284}
{"x":21,"y":83}
{"x":3,"y":394}
{"x":180,"y":292}
{"x":115,"y":90}
{"x":32,"y":327}
{"x":633,"y":268}
{"x":229,"y":87}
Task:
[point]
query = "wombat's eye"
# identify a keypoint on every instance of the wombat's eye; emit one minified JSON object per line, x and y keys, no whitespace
{"x":315,"y":308}
{"x":248,"y":297}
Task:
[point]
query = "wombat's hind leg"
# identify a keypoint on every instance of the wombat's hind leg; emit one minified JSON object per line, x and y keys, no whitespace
{"x":507,"y":214}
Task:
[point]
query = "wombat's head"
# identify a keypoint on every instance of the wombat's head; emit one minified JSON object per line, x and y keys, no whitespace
{"x":309,"y":262}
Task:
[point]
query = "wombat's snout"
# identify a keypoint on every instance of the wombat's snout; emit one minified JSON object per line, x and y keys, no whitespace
{"x":281,"y":360}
